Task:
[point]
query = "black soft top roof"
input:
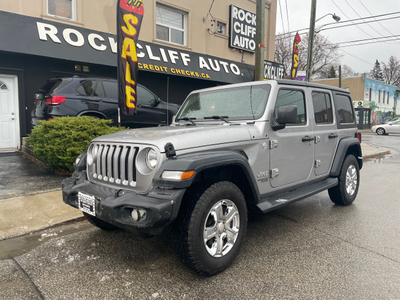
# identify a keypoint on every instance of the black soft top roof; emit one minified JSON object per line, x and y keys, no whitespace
{"x":310,"y":84}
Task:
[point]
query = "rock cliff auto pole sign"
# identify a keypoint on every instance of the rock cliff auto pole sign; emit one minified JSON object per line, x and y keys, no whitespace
{"x":295,"y":57}
{"x":242,"y":29}
{"x":129,"y":19}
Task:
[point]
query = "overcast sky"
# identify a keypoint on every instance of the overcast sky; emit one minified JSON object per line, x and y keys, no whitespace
{"x":359,"y":58}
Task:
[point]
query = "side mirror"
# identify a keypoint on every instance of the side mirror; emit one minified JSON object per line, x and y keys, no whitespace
{"x":154,"y":102}
{"x":285,"y":115}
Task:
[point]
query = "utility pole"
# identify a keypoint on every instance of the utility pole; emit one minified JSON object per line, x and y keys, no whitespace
{"x":311,"y":40}
{"x":260,"y":33}
{"x":340,"y":76}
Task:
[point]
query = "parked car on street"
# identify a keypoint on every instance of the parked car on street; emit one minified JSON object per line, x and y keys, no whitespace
{"x":98,"y":97}
{"x":391,"y":127}
{"x":231,"y":151}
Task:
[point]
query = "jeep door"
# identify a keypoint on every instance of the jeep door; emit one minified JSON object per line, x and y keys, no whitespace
{"x":325,"y":131}
{"x":291,"y":148}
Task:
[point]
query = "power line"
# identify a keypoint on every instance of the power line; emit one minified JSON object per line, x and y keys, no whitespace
{"x":368,"y":43}
{"x":347,"y":21}
{"x":364,"y":40}
{"x":375,"y":18}
{"x":287,"y":15}
{"x":280,"y":9}
{"x":356,"y":57}
{"x":364,"y":20}
{"x":349,"y":18}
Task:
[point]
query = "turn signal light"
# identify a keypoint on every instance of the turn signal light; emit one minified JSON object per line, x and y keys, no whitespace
{"x":55,"y":100}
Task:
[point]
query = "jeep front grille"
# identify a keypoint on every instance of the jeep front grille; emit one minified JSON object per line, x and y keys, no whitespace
{"x":112,"y":164}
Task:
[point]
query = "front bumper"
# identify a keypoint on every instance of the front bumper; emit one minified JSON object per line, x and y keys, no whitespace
{"x":115,"y":206}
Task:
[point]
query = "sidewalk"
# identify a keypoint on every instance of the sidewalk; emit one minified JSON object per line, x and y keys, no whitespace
{"x":24,"y":214}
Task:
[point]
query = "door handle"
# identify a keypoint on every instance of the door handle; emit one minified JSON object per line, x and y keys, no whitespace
{"x":307,"y":139}
{"x":333,"y":136}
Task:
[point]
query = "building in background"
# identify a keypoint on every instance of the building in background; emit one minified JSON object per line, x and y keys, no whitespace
{"x":374,"y":100}
{"x":183,"y":45}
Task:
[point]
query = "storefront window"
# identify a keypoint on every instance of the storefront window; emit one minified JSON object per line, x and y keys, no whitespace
{"x":62,"y":8}
{"x":171,"y":25}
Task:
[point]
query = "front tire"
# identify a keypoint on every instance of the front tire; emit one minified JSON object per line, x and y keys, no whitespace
{"x":213,"y":227}
{"x":380,"y":131}
{"x":349,"y":180}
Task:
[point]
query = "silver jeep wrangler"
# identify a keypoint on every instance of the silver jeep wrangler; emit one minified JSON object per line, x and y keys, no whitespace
{"x":231,"y":150}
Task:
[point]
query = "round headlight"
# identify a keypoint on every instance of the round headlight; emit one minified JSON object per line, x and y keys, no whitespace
{"x":151,"y":159}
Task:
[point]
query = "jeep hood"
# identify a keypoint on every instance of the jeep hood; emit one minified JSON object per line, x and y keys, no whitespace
{"x":182,"y":137}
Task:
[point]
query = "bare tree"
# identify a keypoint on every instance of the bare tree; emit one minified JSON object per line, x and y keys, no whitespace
{"x":348,"y":72}
{"x":391,"y":71}
{"x":325,"y":54}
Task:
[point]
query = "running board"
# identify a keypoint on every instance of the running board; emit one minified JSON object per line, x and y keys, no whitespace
{"x":281,"y":199}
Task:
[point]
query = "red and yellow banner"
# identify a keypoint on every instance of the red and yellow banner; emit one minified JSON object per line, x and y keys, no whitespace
{"x":129,"y":19}
{"x":295,"y":57}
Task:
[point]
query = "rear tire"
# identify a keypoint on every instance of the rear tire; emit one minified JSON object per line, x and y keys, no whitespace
{"x":349,"y":180}
{"x":99,"y":223}
{"x":211,"y":227}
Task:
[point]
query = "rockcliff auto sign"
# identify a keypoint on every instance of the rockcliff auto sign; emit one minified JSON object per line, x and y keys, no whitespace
{"x":35,"y":36}
{"x":45,"y":38}
{"x":242,"y":29}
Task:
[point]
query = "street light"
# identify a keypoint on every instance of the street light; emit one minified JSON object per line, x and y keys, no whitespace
{"x":334,"y":16}
{"x":311,"y":36}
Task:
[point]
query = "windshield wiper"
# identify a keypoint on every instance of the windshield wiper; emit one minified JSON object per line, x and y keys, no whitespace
{"x":223,"y":118}
{"x":188,"y":119}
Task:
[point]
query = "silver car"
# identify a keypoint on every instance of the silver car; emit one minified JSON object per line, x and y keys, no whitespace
{"x":391,"y":127}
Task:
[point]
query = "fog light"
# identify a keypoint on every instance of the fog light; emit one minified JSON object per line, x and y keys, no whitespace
{"x":138,"y":214}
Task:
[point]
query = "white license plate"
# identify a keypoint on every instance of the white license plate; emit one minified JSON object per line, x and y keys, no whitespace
{"x":86,"y":203}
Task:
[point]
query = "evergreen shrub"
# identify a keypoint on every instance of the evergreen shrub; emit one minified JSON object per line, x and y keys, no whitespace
{"x":58,"y":142}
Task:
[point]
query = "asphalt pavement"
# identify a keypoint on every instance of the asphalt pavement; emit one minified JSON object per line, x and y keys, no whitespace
{"x":31,"y":200}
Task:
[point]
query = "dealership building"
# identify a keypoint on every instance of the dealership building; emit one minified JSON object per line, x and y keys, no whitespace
{"x":183,"y":45}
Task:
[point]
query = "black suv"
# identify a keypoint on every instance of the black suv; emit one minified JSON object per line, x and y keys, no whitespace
{"x":98,"y":97}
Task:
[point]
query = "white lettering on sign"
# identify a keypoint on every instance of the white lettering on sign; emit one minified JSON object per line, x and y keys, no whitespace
{"x":79,"y":40}
{"x":243,"y":29}
{"x":47,"y":30}
{"x":273,"y":71}
{"x":73,"y":37}
{"x":92,"y":41}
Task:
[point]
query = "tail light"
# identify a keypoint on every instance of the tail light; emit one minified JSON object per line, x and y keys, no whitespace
{"x":359,"y":136}
{"x":35,"y":101}
{"x":55,"y":100}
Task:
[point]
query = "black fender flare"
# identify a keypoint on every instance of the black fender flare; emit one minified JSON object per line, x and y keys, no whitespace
{"x":200,"y":161}
{"x":346,"y":146}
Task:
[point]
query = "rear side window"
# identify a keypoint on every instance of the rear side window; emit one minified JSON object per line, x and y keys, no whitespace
{"x":322,"y":108}
{"x":290,"y":97}
{"x":344,"y":109}
{"x":53,"y":85}
{"x":91,"y":88}
{"x":111,"y":89}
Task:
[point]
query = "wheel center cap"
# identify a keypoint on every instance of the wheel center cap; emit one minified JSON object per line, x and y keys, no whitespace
{"x":220,"y":227}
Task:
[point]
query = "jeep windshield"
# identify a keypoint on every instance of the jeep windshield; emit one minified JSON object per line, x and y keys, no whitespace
{"x":238,"y":103}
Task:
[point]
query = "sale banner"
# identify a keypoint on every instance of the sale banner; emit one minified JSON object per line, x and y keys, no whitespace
{"x":129,"y":20}
{"x":295,"y":56}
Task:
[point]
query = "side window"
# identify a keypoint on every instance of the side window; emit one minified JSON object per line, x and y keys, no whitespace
{"x":91,"y":88}
{"x":111,"y":89}
{"x":292,"y":97}
{"x":99,"y":90}
{"x":144,"y":97}
{"x":344,"y":109}
{"x":322,"y":108}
